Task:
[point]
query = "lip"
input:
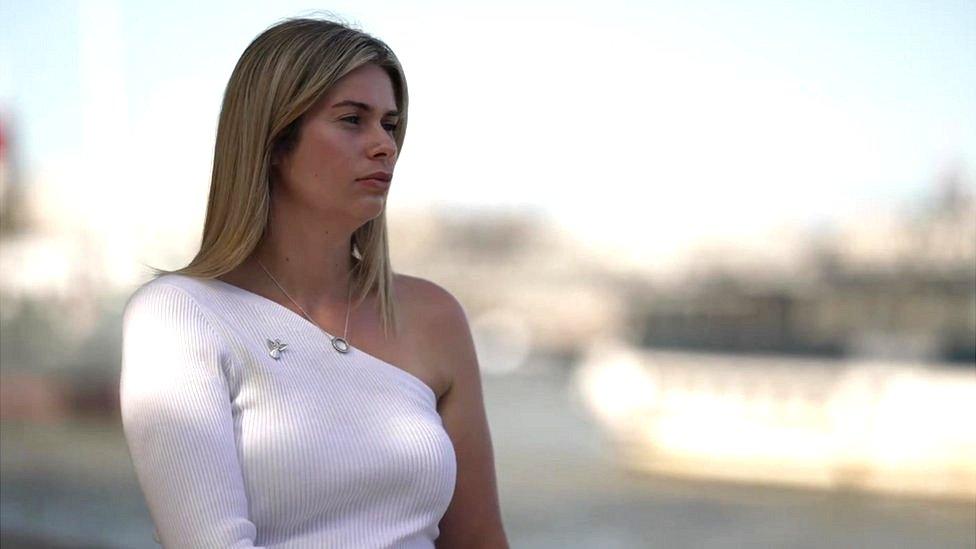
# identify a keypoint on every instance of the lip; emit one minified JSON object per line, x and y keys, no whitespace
{"x":379,"y":176}
{"x":376,"y":180}
{"x":378,"y":184}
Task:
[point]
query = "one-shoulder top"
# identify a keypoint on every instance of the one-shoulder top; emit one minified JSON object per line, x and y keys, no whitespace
{"x":246,"y":428}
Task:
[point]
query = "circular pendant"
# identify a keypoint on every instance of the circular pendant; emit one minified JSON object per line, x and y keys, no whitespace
{"x":340,"y":345}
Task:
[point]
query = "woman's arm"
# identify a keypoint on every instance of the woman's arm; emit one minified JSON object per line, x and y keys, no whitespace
{"x":473,"y":519}
{"x":176,"y":416}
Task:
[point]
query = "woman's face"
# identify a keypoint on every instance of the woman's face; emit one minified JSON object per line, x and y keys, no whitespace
{"x":343,"y":158}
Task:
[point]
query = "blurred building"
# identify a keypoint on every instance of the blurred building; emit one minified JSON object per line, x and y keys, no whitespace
{"x":889,"y":285}
{"x":514,"y":265}
{"x":11,"y":192}
{"x":897,"y":286}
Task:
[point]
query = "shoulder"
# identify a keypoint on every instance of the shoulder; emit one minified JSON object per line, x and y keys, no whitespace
{"x":440,"y":328}
{"x":166,"y":318}
{"x":173,"y":287}
{"x":169,"y":298}
{"x":427,"y":302}
{"x":165,"y":285}
{"x":156,"y":292}
{"x":461,"y":407}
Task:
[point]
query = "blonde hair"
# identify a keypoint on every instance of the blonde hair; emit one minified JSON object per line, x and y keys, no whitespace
{"x":278,"y":78}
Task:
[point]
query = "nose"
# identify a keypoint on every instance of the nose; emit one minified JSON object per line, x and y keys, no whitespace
{"x":383,"y":145}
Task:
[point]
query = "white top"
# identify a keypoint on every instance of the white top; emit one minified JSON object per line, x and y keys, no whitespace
{"x":234,"y":448}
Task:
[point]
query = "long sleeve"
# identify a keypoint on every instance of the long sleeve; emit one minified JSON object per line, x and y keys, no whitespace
{"x":177,"y":421}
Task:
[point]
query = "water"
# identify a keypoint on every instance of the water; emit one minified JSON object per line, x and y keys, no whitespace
{"x":558,"y":485}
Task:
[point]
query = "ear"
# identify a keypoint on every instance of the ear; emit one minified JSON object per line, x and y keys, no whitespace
{"x":278,"y":156}
{"x":285,"y":142}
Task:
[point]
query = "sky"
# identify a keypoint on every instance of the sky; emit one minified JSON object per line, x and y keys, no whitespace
{"x":636,"y":125}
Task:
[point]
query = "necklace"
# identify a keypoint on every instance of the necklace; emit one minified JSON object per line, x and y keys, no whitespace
{"x":338,"y":343}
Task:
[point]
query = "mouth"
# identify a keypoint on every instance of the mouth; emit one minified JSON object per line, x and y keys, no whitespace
{"x":379,"y":176}
{"x":376,"y":180}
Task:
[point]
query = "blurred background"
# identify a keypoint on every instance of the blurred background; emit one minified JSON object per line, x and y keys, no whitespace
{"x":719,"y":258}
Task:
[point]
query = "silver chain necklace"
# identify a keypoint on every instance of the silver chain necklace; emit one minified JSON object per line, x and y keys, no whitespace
{"x":338,"y":343}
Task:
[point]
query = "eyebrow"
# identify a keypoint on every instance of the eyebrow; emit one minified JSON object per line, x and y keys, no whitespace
{"x":362,"y":106}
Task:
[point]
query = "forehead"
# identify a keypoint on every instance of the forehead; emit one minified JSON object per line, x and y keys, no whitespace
{"x":368,"y":84}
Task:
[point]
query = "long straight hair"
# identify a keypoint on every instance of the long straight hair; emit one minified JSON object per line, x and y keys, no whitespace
{"x":278,"y":78}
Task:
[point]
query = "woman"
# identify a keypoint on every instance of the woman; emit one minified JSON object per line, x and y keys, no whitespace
{"x":249,"y":423}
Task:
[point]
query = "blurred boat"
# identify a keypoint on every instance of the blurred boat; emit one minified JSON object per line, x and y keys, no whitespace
{"x":890,"y":427}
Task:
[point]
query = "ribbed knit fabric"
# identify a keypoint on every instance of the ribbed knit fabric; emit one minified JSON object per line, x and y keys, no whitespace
{"x":233,"y":448}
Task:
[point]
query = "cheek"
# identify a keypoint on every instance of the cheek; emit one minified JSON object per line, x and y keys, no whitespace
{"x":332,"y":155}
{"x":320,"y":160}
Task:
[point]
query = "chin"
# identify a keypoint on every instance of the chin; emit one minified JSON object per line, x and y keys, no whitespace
{"x":373,"y":210}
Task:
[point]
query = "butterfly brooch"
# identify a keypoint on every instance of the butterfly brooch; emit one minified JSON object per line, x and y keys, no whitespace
{"x":275,"y":347}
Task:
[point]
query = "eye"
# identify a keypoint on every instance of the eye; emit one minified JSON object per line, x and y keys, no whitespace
{"x":352,"y":119}
{"x":391,"y":127}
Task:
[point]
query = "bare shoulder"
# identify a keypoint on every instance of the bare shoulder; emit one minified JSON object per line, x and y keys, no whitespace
{"x":462,"y":410}
{"x":427,"y":301}
{"x":439,"y":328}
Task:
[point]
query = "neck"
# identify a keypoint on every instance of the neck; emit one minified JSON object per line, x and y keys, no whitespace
{"x":312,"y":263}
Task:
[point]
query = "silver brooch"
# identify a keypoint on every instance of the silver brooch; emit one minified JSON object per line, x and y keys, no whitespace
{"x":275,"y":347}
